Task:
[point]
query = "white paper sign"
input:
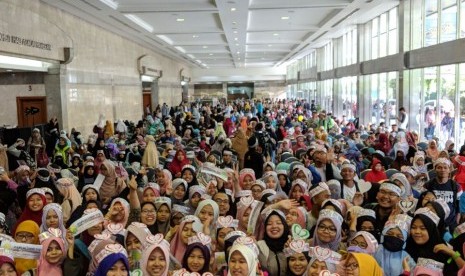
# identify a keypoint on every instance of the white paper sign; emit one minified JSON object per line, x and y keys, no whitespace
{"x":86,"y":222}
{"x":23,"y":250}
{"x":99,"y":181}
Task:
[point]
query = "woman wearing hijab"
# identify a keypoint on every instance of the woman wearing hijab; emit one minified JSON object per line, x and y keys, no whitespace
{"x":150,"y":157}
{"x":328,"y":231}
{"x":391,"y":253}
{"x":432,"y":152}
{"x":179,"y":191}
{"x":239,"y":145}
{"x":179,"y":161}
{"x":35,"y":202}
{"x":320,"y":262}
{"x":114,"y":258}
{"x":360,"y":264}
{"x":297,"y":258}
{"x":425,"y":242}
{"x":52,"y":217}
{"x":284,"y":181}
{"x":71,"y":197}
{"x":242,"y":259}
{"x":87,"y":175}
{"x":208,"y":212}
{"x":164,"y":180}
{"x":118,"y":212}
{"x":52,"y":254}
{"x":112,"y":185}
{"x":197,"y":256}
{"x":190,"y":226}
{"x":26,"y":232}
{"x":188,"y":173}
{"x":162,"y":223}
{"x":89,"y":193}
{"x":383,"y":144}
{"x":156,"y":256}
{"x":271,"y":248}
{"x":377,"y":173}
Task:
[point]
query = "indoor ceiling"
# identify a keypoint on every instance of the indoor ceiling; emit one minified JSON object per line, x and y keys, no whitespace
{"x":226,"y":33}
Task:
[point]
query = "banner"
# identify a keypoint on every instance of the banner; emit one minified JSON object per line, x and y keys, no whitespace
{"x":86,"y":222}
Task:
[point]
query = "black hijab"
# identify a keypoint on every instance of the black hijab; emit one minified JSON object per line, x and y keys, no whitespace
{"x":276,"y":245}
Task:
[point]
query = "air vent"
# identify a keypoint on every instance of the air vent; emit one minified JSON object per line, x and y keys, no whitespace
{"x":121,"y":22}
{"x":89,"y":4}
{"x":345,"y":17}
{"x":318,"y":37}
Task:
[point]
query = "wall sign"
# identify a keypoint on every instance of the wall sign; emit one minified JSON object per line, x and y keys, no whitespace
{"x":24,"y":41}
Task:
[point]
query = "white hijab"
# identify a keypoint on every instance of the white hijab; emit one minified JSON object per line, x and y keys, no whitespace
{"x":248,"y":254}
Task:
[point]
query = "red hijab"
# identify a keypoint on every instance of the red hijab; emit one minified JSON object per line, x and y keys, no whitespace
{"x":374,"y":175}
{"x":176,"y":166}
{"x":383,"y":143}
{"x":28,"y":214}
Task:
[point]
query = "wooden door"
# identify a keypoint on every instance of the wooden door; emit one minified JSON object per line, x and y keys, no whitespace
{"x":31,"y":111}
{"x":147,"y":103}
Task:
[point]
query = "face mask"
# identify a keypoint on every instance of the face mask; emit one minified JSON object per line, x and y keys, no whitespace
{"x":393,"y":244}
{"x":357,"y":249}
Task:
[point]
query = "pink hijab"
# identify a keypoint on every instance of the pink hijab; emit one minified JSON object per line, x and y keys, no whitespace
{"x":44,"y":267}
{"x":176,"y":244}
{"x":152,"y":243}
{"x":112,"y":185}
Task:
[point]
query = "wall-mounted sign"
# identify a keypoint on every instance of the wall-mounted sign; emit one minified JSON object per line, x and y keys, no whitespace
{"x":25,"y":42}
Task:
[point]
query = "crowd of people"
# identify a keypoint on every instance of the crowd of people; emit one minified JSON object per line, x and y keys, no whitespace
{"x":245,"y":188}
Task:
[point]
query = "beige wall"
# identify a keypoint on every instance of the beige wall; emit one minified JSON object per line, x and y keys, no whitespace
{"x":103,"y":76}
{"x":269,"y":89}
{"x":8,"y":110}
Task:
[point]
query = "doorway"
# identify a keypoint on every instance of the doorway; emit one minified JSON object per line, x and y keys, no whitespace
{"x":147,"y":103}
{"x":31,"y":111}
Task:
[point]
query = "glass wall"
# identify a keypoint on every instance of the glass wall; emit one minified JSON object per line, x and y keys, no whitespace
{"x":348,"y":94}
{"x":383,"y":95}
{"x":381,"y":36}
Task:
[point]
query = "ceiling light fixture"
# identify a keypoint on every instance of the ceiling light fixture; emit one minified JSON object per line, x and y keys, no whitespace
{"x":235,"y":38}
{"x":275,"y":34}
{"x":238,"y":52}
{"x":195,"y":36}
{"x":9,"y":70}
{"x":205,"y":47}
{"x":284,"y":17}
{"x":191,"y":56}
{"x":110,"y":3}
{"x":234,"y":22}
{"x":237,"y":44}
{"x":235,"y":32}
{"x":180,"y":19}
{"x":165,"y":39}
{"x":180,"y":49}
{"x":210,"y":54}
{"x":233,"y":9}
{"x":141,"y":23}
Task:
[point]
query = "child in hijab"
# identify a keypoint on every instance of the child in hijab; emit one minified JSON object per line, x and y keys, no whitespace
{"x":296,"y":253}
{"x":163,"y":207}
{"x":53,"y":253}
{"x":112,"y":257}
{"x":363,"y":242}
{"x":7,"y":263}
{"x":35,"y":202}
{"x":320,"y":261}
{"x":179,"y":191}
{"x":360,"y":264}
{"x":52,"y":217}
{"x":208,"y":211}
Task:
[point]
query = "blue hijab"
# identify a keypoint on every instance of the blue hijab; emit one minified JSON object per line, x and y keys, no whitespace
{"x":109,"y":261}
{"x":391,"y":262}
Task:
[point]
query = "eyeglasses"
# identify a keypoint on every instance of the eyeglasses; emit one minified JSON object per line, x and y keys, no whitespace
{"x":352,"y":266}
{"x":324,"y":228}
{"x":221,"y":201}
{"x":390,"y":194}
{"x":25,"y":236}
{"x":359,"y":244}
{"x":146,"y":212}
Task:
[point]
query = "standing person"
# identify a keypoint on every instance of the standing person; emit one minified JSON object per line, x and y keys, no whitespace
{"x":253,"y":159}
{"x":402,"y":119}
{"x":446,"y":189}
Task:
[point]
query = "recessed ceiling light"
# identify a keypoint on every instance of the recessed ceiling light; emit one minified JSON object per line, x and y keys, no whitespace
{"x":205,"y":47}
{"x":195,"y":36}
{"x":235,"y":38}
{"x":180,"y":19}
{"x":237,"y":44}
{"x":284,"y":17}
{"x":235,"y":32}
{"x":269,"y":45}
{"x":275,"y":34}
{"x":210,"y":54}
{"x":9,"y":70}
{"x":239,"y":58}
{"x":233,"y":9}
{"x":238,"y":52}
{"x":234,"y":22}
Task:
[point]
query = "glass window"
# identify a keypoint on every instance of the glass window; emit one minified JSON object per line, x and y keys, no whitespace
{"x":431,"y":22}
{"x":393,"y":19}
{"x":393,"y":43}
{"x":376,"y":104}
{"x":461,"y":128}
{"x":462,"y":19}
{"x":448,"y":21}
{"x":430,"y":97}
{"x":446,"y":104}
{"x":383,"y":45}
